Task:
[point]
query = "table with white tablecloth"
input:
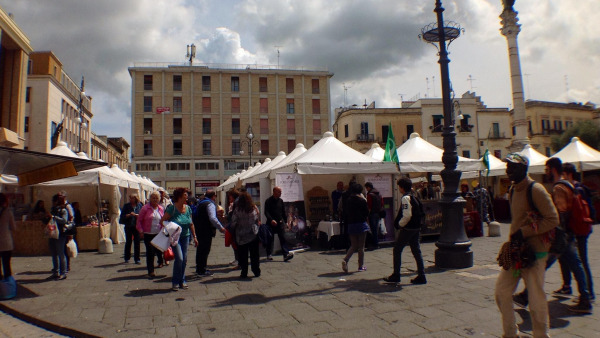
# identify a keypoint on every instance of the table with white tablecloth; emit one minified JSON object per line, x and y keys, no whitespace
{"x":330,"y":228}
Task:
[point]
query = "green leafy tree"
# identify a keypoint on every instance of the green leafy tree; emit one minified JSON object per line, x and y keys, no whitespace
{"x":587,"y":131}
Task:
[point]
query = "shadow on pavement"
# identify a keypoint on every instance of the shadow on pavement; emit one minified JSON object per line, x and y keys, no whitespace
{"x":108,"y":265}
{"x":23,"y":292}
{"x":119,"y":279}
{"x":147,"y":292}
{"x":30,"y":273}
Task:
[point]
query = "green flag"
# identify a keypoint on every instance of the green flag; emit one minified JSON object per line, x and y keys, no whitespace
{"x":390,"y":147}
{"x":486,"y":161}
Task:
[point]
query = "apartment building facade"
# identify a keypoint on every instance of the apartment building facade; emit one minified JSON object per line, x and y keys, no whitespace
{"x":14,"y":56}
{"x":190,"y":122}
{"x":53,"y":102}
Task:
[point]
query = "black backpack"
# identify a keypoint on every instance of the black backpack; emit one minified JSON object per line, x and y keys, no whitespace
{"x":417,"y":220}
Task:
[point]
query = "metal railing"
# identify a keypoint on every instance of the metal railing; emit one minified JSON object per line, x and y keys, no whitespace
{"x":365,"y":137}
{"x":226,"y":66}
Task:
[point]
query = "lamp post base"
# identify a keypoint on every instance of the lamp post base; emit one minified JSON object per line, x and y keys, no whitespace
{"x":454,"y":258}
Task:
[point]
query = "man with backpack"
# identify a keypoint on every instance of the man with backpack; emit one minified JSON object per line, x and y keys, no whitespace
{"x":563,"y":199}
{"x":206,"y":222}
{"x":375,"y":205}
{"x":408,"y":222}
{"x":534,"y":219}
{"x":582,"y":230}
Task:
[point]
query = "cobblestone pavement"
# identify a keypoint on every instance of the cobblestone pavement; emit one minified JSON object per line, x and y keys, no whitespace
{"x":307,"y":296}
{"x":14,"y":327}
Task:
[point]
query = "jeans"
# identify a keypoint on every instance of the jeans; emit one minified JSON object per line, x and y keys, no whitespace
{"x":180,"y":251}
{"x":151,"y":252}
{"x":374,"y":225}
{"x":411,"y":238}
{"x":278,"y":229}
{"x":583,"y":255}
{"x":202,"y":252}
{"x":57,"y":250}
{"x":131,"y":234}
{"x":357,"y":244}
{"x":570,"y":259}
{"x":243,"y":250}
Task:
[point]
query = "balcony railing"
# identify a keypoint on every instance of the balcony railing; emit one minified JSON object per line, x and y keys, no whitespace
{"x":497,"y":135}
{"x":365,"y":137}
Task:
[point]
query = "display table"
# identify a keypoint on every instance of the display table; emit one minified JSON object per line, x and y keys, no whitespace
{"x":330,"y":228}
{"x":29,"y":239}
{"x":88,"y":236}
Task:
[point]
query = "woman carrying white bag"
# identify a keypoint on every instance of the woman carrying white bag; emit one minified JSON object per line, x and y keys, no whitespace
{"x":148,"y":225}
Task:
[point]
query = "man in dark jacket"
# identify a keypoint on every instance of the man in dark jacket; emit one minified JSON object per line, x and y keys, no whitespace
{"x":275,"y":214}
{"x":409,"y":223}
{"x":206,"y":222}
{"x":375,"y":204}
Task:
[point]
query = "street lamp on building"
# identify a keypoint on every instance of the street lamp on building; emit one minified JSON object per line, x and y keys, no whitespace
{"x":453,"y":244}
{"x":81,"y":119}
{"x":251,"y":142}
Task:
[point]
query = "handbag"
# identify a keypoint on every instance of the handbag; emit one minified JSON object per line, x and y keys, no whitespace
{"x":382,"y":228}
{"x":71,"y":249}
{"x":161,"y":241}
{"x":169,"y":255}
{"x":51,"y":230}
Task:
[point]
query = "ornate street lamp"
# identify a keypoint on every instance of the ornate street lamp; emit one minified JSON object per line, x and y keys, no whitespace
{"x":80,"y":120}
{"x":250,"y":141}
{"x":453,"y":244}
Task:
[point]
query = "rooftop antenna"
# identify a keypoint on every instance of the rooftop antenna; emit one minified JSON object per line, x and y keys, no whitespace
{"x":277,"y":47}
{"x":471,"y":79}
{"x":427,"y":80}
{"x":191,"y":53}
{"x":365,"y":105}
{"x":401,"y":98}
{"x":346,"y":93}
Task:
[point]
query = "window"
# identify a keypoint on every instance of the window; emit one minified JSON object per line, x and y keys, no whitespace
{"x":207,"y":166}
{"x":147,"y":167}
{"x":409,"y":130}
{"x":147,"y":125}
{"x":177,"y":82}
{"x":289,"y":85}
{"x":568,"y":124}
{"x":438,"y":124}
{"x":147,"y":147}
{"x":26,"y":124}
{"x":291,"y":145}
{"x":345,"y":130}
{"x":27,"y":94}
{"x":206,"y":147}
{"x":548,"y":153}
{"x":29,"y":66}
{"x":177,"y":105}
{"x":290,"y":106}
{"x":364,"y":128}
{"x":235,"y":105}
{"x":557,"y":125}
{"x":147,"y":104}
{"x":264,"y":126}
{"x":53,"y":127}
{"x":177,"y":125}
{"x":530,"y":128}
{"x":235,"y":84}
{"x":384,"y":133}
{"x":182,"y":166}
{"x":466,"y":153}
{"x":291,"y":126}
{"x":262,"y":84}
{"x":206,"y":126}
{"x":495,"y":130}
{"x":177,"y":147}
{"x":264,"y":106}
{"x":315,"y":86}
{"x":206,"y":104}
{"x":264,"y":147}
{"x":498,"y":153}
{"x":545,"y":125}
{"x":235,"y":126}
{"x":206,"y":83}
{"x":235,"y":147}
{"x":316,"y":106}
{"x":147,"y":82}
{"x":464,"y":124}
{"x":317,"y":127}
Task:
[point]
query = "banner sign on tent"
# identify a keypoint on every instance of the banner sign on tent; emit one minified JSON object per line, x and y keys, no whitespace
{"x":381,"y":182}
{"x":291,"y":186}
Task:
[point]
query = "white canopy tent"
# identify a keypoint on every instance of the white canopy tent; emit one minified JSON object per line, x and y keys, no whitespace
{"x":537,"y":161}
{"x":497,"y":168}
{"x":376,"y":152}
{"x":419,"y":156}
{"x":263,"y":172}
{"x":331,"y":156}
{"x":299,"y":150}
{"x":580,"y":154}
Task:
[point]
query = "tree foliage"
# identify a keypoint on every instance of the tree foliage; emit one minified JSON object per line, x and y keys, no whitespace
{"x":587,"y":131}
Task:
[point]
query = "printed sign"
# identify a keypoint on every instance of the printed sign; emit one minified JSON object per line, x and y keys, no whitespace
{"x":160,"y":110}
{"x":291,"y":186}
{"x":381,"y":182}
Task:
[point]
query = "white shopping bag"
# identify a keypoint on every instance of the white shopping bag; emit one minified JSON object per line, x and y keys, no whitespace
{"x":165,"y":236}
{"x":382,"y":228}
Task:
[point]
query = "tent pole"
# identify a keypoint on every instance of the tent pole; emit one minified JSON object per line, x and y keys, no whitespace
{"x":100,"y":219}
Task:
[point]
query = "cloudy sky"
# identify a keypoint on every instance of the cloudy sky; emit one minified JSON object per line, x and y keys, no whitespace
{"x":372,"y":47}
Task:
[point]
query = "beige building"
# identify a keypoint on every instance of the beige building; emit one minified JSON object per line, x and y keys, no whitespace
{"x":52,"y":101}
{"x":547,"y":119}
{"x":14,"y":55}
{"x":112,"y":150}
{"x":189,"y":123}
{"x":98,"y":148}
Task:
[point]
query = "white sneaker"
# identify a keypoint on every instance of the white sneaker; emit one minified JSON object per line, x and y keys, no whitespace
{"x":345,"y":266}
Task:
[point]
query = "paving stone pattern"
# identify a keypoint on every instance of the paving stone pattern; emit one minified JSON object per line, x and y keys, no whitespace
{"x":307,"y":296}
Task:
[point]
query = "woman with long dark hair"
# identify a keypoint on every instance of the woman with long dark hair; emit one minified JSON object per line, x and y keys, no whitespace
{"x":245,"y":221}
